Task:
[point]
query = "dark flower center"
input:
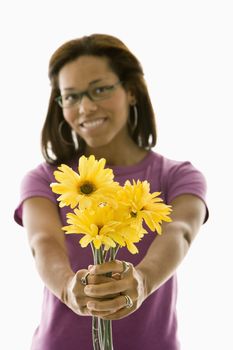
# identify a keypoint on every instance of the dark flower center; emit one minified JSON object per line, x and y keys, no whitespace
{"x":87,"y":188}
{"x":133,"y":214}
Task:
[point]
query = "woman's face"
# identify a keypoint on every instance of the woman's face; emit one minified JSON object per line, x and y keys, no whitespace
{"x":101,"y":121}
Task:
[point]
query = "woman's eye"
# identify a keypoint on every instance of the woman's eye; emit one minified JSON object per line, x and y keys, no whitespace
{"x":101,"y":90}
{"x":70,"y":97}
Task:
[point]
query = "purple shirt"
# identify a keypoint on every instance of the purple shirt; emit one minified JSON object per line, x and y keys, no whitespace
{"x":154,"y":324}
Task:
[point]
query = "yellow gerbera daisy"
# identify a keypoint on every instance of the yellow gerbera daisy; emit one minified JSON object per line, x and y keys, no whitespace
{"x":97,"y":226}
{"x":92,"y":184}
{"x":131,"y":234}
{"x":143,"y":205}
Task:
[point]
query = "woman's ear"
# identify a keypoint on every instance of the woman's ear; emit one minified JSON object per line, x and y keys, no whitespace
{"x":131,"y":98}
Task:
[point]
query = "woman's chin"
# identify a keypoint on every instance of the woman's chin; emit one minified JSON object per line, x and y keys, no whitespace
{"x":97,"y":142}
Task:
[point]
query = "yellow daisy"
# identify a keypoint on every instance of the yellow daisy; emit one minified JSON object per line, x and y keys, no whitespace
{"x":92,"y":184}
{"x":143,"y":205}
{"x":130,"y":234}
{"x":98,"y":226}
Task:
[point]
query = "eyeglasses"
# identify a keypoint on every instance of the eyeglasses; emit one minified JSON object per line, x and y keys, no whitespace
{"x":96,"y":93}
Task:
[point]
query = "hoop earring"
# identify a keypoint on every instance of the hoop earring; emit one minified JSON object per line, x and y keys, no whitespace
{"x":60,"y":126}
{"x":133,"y":122}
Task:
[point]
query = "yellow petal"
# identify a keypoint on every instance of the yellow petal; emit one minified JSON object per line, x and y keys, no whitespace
{"x":132,"y":247}
{"x":85,"y":240}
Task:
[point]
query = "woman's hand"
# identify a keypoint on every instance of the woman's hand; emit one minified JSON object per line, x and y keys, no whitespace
{"x":75,"y":297}
{"x":119,"y":296}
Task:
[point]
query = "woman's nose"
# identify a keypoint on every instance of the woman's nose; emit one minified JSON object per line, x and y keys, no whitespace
{"x":86,"y":105}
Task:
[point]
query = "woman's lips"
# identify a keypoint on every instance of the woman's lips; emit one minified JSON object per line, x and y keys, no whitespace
{"x":92,"y":124}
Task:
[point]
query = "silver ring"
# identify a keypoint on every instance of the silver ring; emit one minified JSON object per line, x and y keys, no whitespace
{"x":129,"y":301}
{"x":84,"y":279}
{"x":126,"y":266}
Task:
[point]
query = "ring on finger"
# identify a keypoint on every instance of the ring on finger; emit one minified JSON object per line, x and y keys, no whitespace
{"x":129,"y":301}
{"x":84,"y":279}
{"x":126,"y":266}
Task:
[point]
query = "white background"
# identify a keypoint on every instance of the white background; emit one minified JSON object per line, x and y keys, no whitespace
{"x":185,"y":48}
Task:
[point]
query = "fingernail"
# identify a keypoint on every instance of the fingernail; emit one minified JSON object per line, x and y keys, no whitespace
{"x":87,"y":289}
{"x":91,"y":269}
{"x":90,"y":305}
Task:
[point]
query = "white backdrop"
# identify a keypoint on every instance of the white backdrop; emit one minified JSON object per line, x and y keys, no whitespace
{"x":185,"y":48}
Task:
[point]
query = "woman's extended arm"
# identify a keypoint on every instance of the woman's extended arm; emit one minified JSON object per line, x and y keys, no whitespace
{"x":162,"y":259}
{"x":47,"y":242}
{"x":168,"y":250}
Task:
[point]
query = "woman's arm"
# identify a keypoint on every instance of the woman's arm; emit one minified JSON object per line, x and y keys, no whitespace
{"x":162,"y":259}
{"x":47,"y":242}
{"x":168,"y":250}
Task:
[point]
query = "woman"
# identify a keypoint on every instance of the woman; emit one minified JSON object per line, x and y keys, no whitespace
{"x":100,"y":106}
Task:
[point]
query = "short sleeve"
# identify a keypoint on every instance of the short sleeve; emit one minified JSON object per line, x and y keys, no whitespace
{"x":36,"y":183}
{"x":184,"y":178}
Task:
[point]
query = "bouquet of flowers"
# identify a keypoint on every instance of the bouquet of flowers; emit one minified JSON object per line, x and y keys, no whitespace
{"x":108,"y":216}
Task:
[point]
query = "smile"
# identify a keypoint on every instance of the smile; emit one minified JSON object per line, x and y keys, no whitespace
{"x":91,"y":124}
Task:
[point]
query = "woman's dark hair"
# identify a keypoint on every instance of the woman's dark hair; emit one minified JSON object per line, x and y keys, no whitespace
{"x":125,"y":65}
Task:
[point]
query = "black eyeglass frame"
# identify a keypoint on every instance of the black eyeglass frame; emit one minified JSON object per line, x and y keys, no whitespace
{"x":87,"y":93}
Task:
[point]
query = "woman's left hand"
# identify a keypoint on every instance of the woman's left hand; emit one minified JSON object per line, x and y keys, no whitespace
{"x":121,"y":296}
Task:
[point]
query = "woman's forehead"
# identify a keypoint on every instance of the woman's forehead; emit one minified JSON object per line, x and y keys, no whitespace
{"x":85,"y":70}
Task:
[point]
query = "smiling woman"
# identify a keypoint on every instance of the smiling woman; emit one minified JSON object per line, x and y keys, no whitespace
{"x":100,"y":108}
{"x":117,"y":66}
{"x":101,"y":117}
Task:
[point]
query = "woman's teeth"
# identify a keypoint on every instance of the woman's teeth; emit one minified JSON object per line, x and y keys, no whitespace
{"x":90,"y":124}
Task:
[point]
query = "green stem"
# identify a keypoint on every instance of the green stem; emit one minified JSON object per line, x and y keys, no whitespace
{"x":114,"y":252}
{"x":95,"y":336}
{"x":101,"y":332}
{"x":108,"y":345}
{"x":102,"y":329}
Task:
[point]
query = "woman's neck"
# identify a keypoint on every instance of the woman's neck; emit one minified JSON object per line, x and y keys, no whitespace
{"x":121,"y":154}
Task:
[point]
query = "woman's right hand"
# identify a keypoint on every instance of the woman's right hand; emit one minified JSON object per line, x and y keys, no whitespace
{"x":74,"y":295}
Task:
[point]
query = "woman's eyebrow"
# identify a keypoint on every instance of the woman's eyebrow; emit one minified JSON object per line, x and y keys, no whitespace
{"x":91,"y":83}
{"x":96,"y":81}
